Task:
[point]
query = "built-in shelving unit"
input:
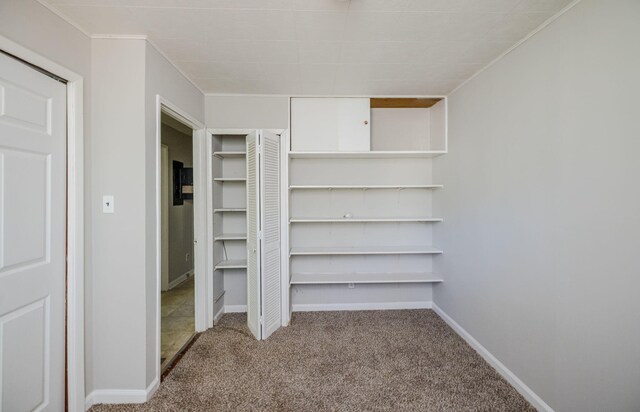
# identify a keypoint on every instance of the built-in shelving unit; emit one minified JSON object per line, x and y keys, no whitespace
{"x":229,"y":215}
{"x":361,"y":192}
{"x":366,"y":220}
{"x":341,"y":278}
{"x":426,"y":154}
{"x":364,"y":187}
{"x":364,"y":250}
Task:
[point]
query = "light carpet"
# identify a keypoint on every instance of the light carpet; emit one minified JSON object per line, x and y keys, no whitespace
{"x":403,"y":360}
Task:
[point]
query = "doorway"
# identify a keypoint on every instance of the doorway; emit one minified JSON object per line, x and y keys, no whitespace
{"x":177,"y":298}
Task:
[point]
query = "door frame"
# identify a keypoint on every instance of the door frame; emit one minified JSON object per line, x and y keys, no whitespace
{"x":75,"y":339}
{"x":200,"y":164}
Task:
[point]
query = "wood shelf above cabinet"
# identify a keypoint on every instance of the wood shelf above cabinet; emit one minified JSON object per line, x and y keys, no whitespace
{"x":230,"y":236}
{"x":342,"y":278}
{"x":223,"y":155}
{"x":229,"y":209}
{"x":364,"y":250}
{"x":367,"y":155}
{"x":363,"y":187}
{"x":364,"y":219}
{"x":231,"y":264}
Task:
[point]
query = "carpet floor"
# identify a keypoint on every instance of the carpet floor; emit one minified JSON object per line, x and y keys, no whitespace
{"x":403,"y":360}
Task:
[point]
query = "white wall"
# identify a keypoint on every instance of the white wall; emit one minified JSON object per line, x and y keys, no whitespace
{"x":541,"y":205}
{"x":247,"y":112}
{"x":127,"y":76}
{"x":118,"y":163}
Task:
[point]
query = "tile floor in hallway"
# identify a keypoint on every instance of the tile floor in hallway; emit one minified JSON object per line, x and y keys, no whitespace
{"x":178,"y":319}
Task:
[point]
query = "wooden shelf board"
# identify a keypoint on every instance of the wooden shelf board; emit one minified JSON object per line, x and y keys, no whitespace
{"x":229,"y":209}
{"x":364,"y":250}
{"x":365,"y":187}
{"x":230,"y":236}
{"x":231,"y":264}
{"x":341,"y":278}
{"x":364,"y":220}
{"x":222,"y":155}
{"x":367,"y":155}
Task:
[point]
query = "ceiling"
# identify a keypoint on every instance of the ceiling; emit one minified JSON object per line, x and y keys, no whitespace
{"x":320,"y":47}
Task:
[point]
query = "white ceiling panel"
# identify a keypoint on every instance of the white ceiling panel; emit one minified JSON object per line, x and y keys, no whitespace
{"x":321,"y":47}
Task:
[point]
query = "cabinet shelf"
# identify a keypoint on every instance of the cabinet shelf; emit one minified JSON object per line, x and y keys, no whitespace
{"x":230,"y":179}
{"x":230,"y":236}
{"x":229,"y":209}
{"x":365,"y":187}
{"x":366,"y":250}
{"x":364,"y":219}
{"x":426,"y":154}
{"x":223,"y":155}
{"x":342,"y":278}
{"x":231,"y":264}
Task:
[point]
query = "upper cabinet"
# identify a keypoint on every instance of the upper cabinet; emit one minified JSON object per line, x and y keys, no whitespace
{"x":330,"y":124}
{"x":369,"y":125}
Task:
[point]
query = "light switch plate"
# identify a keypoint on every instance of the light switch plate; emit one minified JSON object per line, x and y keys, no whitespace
{"x":107,"y":204}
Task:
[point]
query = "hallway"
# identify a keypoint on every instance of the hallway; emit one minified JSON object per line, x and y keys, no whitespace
{"x":177,"y":323}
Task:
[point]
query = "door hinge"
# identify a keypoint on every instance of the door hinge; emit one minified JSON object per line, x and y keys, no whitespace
{"x":259,"y":234}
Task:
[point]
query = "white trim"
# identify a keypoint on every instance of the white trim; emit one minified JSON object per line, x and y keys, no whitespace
{"x":386,"y":96}
{"x":180,"y":279}
{"x":118,"y":396}
{"x":515,"y":46}
{"x":210,"y":305}
{"x":200,"y":236}
{"x":284,"y":229}
{"x":75,"y":218}
{"x":519,"y":385}
{"x":325,"y":307}
{"x":218,"y":315}
{"x":235,"y":308}
{"x":241,"y":132}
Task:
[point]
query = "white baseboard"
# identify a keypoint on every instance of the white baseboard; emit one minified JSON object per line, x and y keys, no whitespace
{"x":218,"y":315}
{"x":121,"y":395}
{"x":520,"y":386}
{"x":235,"y":308}
{"x":321,"y":307}
{"x":179,"y":280}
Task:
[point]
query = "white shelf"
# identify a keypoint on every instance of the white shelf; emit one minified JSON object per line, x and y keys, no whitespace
{"x":369,"y":250}
{"x":230,"y":236}
{"x":367,"y":155}
{"x":231,"y":264}
{"x":341,"y":278}
{"x":363,"y":219}
{"x":229,"y":209}
{"x":222,"y":155}
{"x":314,"y":187}
{"x":230,"y":179}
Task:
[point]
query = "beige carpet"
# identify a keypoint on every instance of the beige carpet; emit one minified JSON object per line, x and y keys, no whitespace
{"x":406,"y":360}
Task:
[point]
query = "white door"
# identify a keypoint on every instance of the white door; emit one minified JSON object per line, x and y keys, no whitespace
{"x":270,"y":229}
{"x":32,"y":239}
{"x":330,"y":124}
{"x":253,"y":242}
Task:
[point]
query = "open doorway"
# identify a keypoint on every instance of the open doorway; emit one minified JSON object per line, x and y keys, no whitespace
{"x":177,"y":298}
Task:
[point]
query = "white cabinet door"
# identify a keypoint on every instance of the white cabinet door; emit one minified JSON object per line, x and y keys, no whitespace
{"x":32,"y":239}
{"x":270,"y":229}
{"x":253,"y":242}
{"x":330,"y":124}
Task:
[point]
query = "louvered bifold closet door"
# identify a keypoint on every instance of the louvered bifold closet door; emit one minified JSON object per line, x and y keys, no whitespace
{"x":270,"y":225}
{"x":253,"y":241}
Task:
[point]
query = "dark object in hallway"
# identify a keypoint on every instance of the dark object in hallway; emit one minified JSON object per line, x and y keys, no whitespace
{"x":404,"y":360}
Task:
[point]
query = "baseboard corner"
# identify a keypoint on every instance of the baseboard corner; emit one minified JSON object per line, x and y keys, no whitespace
{"x":524,"y":390}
